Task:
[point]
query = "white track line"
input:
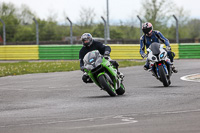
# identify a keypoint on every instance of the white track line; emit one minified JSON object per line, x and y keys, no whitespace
{"x":123,"y":120}
{"x":186,"y":78}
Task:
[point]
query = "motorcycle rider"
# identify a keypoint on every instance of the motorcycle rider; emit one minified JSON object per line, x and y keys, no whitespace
{"x":89,"y":44}
{"x":151,"y":36}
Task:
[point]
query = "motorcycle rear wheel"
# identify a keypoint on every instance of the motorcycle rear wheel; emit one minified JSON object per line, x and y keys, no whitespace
{"x":121,"y":90}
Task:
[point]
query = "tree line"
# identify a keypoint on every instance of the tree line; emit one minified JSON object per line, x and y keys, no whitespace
{"x":21,"y":28}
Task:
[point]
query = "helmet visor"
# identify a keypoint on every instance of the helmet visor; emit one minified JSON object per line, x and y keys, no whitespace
{"x":147,"y":31}
{"x":86,"y":40}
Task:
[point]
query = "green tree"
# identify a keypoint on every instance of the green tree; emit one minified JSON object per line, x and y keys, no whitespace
{"x":194,"y":26}
{"x":87,"y":16}
{"x":24,"y":33}
{"x":115,"y":33}
{"x":14,"y":20}
{"x":7,"y":9}
{"x":25,"y":15}
{"x":183,"y":18}
{"x":8,"y":15}
{"x":47,"y":30}
{"x":98,"y":31}
{"x":157,"y":12}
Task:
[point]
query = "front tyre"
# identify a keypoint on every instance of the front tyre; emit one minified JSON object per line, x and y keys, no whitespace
{"x":163,"y":76}
{"x":106,"y":85}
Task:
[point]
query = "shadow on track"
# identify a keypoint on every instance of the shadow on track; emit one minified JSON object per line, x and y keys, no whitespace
{"x":104,"y":96}
{"x":162,"y":87}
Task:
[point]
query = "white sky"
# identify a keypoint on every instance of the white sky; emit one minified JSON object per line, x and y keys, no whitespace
{"x":119,"y":9}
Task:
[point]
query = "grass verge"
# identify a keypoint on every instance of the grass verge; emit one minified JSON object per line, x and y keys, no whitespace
{"x":19,"y":68}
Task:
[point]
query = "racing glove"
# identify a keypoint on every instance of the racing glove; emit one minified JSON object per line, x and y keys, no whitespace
{"x":168,"y":48}
{"x":144,"y":55}
{"x":106,"y":55}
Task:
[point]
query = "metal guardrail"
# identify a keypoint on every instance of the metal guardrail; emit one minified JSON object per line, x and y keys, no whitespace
{"x":24,"y":52}
{"x":68,"y":52}
{"x":56,"y":52}
{"x":189,"y":51}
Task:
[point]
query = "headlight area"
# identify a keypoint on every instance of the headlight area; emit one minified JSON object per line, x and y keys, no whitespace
{"x":162,"y":55}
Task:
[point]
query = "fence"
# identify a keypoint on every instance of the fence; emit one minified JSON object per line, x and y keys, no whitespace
{"x":51,"y":33}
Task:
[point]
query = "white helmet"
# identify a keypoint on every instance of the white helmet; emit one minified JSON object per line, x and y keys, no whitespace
{"x":86,"y":39}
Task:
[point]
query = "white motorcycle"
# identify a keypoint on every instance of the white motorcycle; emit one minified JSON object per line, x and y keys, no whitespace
{"x":159,"y":62}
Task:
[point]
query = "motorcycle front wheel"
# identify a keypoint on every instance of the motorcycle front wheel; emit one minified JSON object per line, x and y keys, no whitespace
{"x":163,"y":76}
{"x":106,"y":85}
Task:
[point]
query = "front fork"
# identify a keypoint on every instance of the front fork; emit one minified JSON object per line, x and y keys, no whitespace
{"x":116,"y":82}
{"x":156,"y":68}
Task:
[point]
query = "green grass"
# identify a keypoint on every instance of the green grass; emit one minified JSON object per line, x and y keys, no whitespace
{"x":19,"y":68}
{"x":128,"y":63}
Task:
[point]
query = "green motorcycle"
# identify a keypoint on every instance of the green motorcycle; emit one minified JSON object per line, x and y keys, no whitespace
{"x":103,"y":73}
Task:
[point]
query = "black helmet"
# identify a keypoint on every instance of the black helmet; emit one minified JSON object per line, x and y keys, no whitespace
{"x":147,"y":28}
{"x":86,"y":39}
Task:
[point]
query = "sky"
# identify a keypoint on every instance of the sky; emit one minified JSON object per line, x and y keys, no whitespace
{"x":118,"y":9}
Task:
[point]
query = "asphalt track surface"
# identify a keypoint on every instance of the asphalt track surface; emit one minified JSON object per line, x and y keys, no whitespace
{"x":61,"y":103}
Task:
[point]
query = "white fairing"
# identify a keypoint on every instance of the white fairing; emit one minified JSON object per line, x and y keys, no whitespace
{"x":162,"y":56}
{"x":159,"y":62}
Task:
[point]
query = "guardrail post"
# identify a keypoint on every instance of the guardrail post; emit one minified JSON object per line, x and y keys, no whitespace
{"x":4,"y":32}
{"x":108,"y":26}
{"x":71,"y":33}
{"x":140,"y":24}
{"x":105,"y":30}
{"x":37,"y":31}
{"x":177,"y":34}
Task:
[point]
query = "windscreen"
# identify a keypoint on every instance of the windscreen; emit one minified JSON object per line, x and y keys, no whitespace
{"x":155,"y":48}
{"x":92,"y":59}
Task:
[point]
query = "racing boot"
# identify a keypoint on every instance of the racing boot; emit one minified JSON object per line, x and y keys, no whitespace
{"x":146,"y":67}
{"x":86,"y":78}
{"x":121,"y":75}
{"x":174,"y":69}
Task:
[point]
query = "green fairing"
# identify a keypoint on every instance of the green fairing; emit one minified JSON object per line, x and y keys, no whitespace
{"x":105,"y":63}
{"x":101,"y":66}
{"x":111,"y":69}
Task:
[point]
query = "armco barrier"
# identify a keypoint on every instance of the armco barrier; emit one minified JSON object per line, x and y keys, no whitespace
{"x":56,"y":52}
{"x":189,"y":51}
{"x":130,"y":51}
{"x":20,"y":52}
{"x":175,"y":49}
{"x":125,"y":52}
